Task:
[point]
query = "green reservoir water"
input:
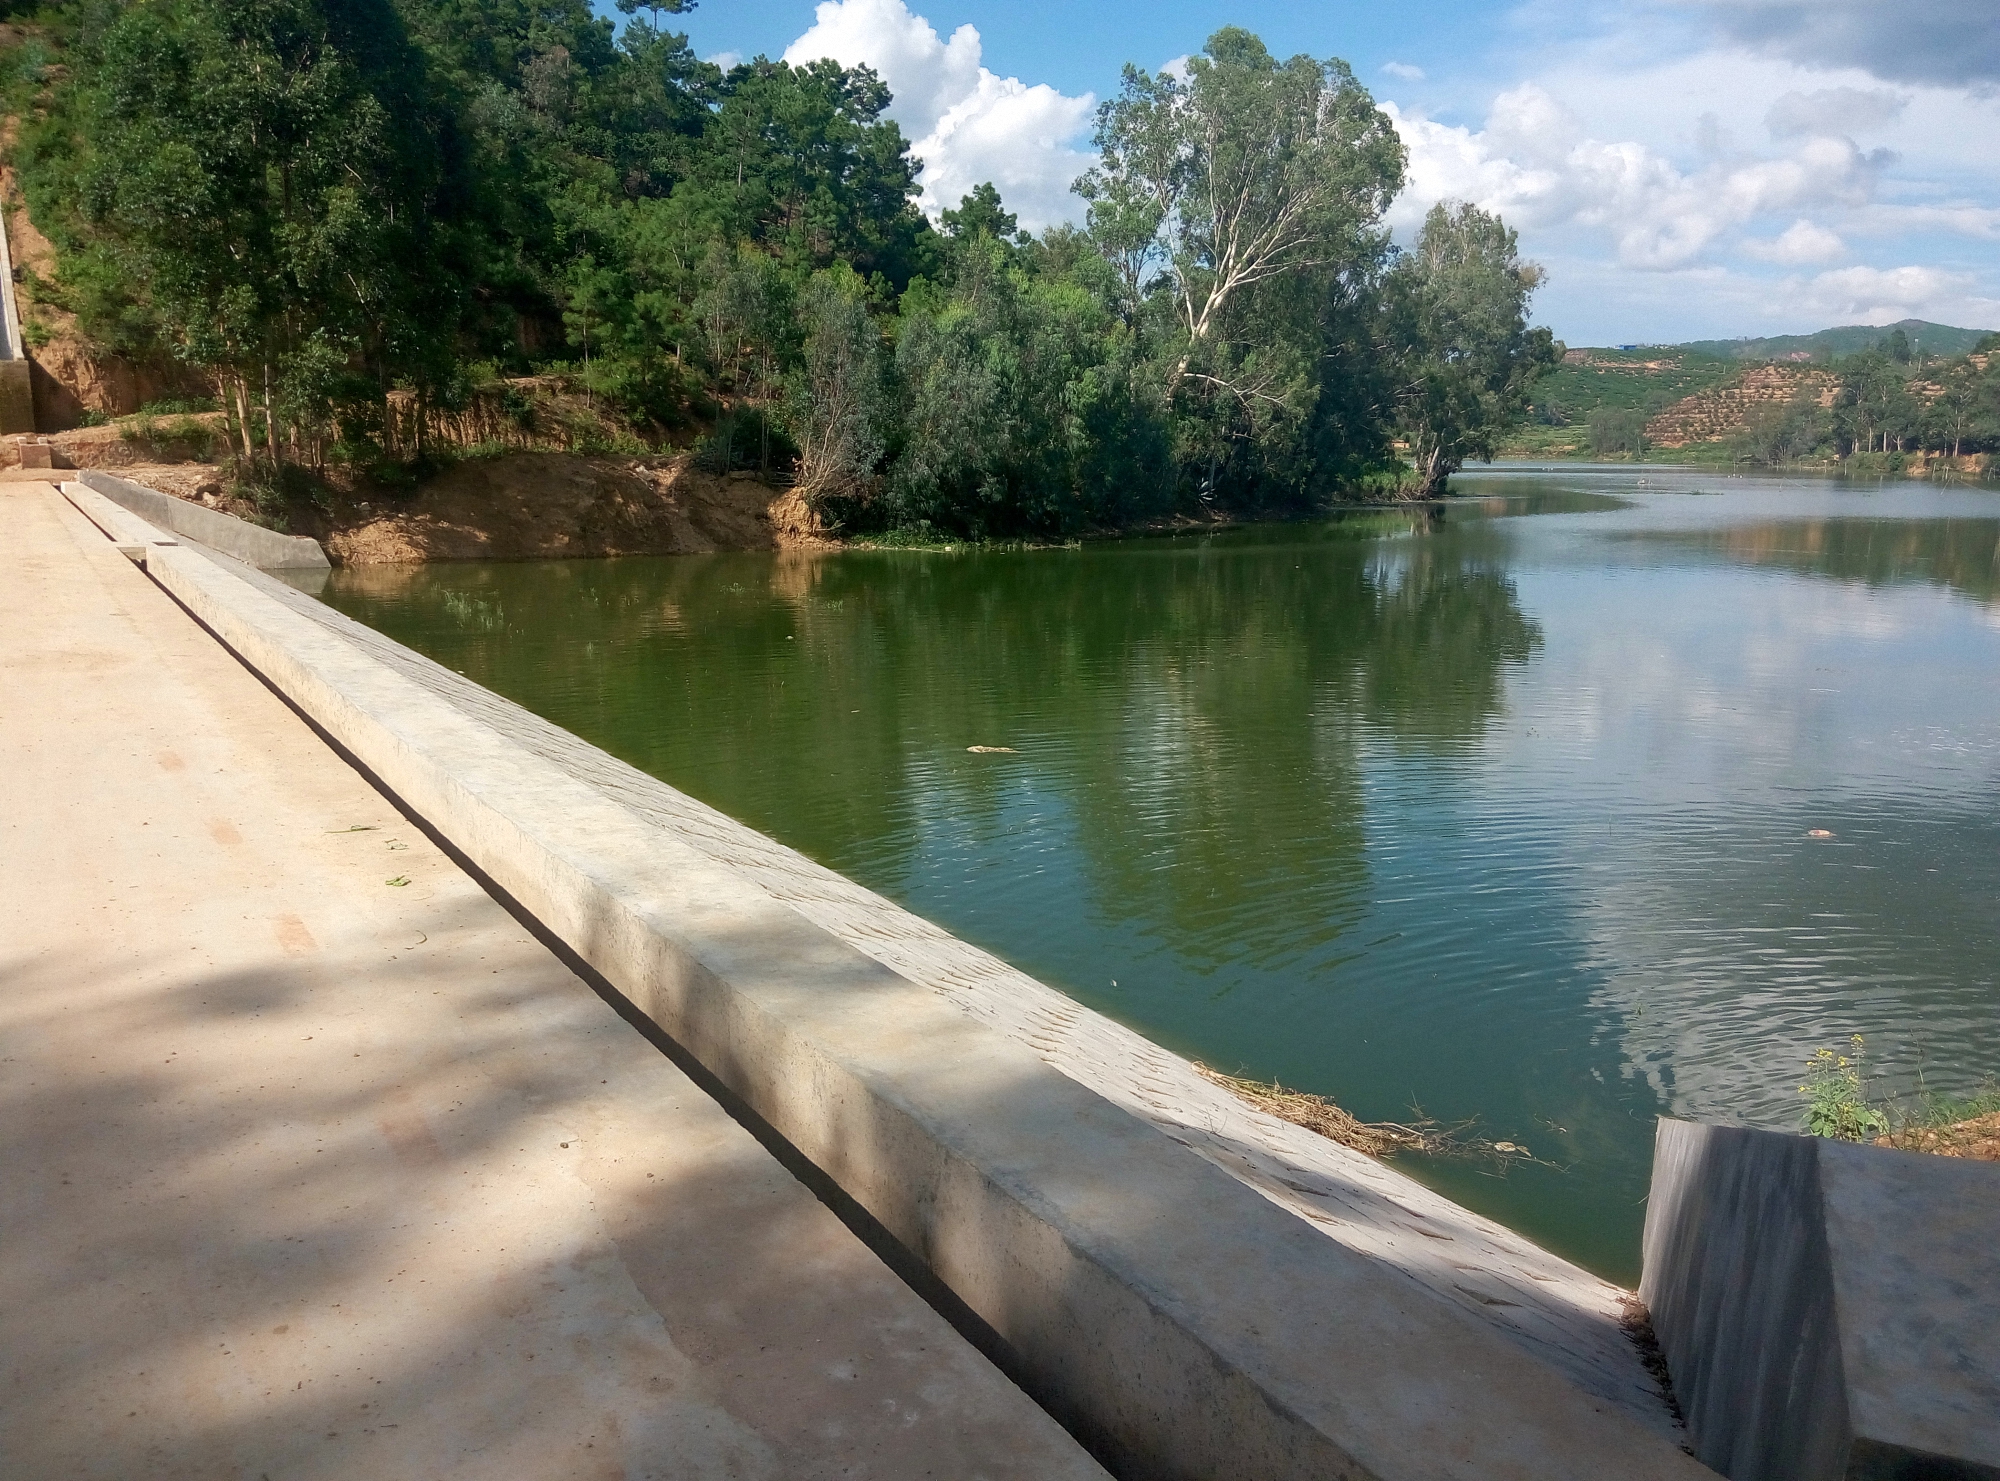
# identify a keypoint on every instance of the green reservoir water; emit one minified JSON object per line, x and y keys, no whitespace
{"x":1502,"y":812}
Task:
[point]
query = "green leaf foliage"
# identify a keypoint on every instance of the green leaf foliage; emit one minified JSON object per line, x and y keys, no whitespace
{"x":341,"y":217}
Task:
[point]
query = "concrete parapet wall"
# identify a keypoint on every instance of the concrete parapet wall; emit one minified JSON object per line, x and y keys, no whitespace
{"x":265,"y":549}
{"x":1741,"y":1295}
{"x":1827,"y":1310}
{"x":1181,"y":1323}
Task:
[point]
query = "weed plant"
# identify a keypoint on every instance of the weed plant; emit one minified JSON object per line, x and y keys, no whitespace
{"x":1836,"y":1098}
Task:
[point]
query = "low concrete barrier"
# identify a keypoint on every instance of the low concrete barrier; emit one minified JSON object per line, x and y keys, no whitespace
{"x":133,"y":536}
{"x":265,"y":549}
{"x":1181,"y":1324}
{"x":1827,"y":1310}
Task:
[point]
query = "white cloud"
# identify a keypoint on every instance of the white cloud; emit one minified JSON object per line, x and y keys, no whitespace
{"x":1667,"y":152}
{"x":1834,"y":110}
{"x":1871,"y":295}
{"x":1535,"y":165}
{"x":726,"y":59}
{"x":1798,"y":245}
{"x":1404,"y":70}
{"x":1979,"y":222}
{"x":968,"y":124}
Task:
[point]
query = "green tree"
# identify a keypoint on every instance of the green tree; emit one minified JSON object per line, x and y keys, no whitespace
{"x":1875,"y":403}
{"x":1021,"y":403}
{"x":1456,"y":326}
{"x":1966,"y":407}
{"x":1246,"y":172}
{"x":1617,"y":430}
{"x":980,"y":211}
{"x":801,"y":161}
{"x":833,"y":403}
{"x":267,"y":175}
{"x":1784,"y":433}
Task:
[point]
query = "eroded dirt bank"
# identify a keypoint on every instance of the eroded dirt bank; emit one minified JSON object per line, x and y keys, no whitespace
{"x":546,"y":505}
{"x":521,"y":506}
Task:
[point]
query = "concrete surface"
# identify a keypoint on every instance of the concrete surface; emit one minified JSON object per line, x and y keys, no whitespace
{"x":266,"y":549}
{"x":1828,"y":1310}
{"x":1188,"y":1326}
{"x":309,"y":1174}
{"x":1914,"y":1245}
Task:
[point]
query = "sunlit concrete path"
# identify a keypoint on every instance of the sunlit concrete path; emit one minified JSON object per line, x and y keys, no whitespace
{"x":314,"y":1163}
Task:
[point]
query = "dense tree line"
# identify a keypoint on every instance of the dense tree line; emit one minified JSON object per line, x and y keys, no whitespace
{"x":1888,"y":400}
{"x":315,"y":205}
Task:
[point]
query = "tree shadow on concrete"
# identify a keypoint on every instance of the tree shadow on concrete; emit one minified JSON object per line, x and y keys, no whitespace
{"x":434,"y":1217}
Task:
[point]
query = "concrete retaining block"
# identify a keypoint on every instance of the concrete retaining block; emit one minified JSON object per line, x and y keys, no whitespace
{"x":1827,"y":1310}
{"x":133,"y":536}
{"x":1181,"y":1324}
{"x":265,"y":549}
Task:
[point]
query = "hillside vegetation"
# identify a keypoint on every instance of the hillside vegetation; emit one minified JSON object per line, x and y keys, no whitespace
{"x":1935,"y":341}
{"x":356,"y":228}
{"x":1886,"y":401}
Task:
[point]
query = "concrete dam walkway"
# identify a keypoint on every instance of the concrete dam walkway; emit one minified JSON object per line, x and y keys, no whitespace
{"x":312,"y":1173}
{"x":319,"y":1162}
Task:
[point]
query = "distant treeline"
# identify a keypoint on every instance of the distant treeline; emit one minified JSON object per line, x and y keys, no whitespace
{"x":1890,"y":400}
{"x":315,"y":206}
{"x":1887,"y":398}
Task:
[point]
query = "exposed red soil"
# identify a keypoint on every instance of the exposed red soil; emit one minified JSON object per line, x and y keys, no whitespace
{"x":1978,"y":1139}
{"x":544,"y":505}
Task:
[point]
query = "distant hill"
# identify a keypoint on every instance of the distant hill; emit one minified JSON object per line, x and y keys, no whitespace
{"x":1699,"y":392}
{"x":1642,"y":381}
{"x":1928,"y":338}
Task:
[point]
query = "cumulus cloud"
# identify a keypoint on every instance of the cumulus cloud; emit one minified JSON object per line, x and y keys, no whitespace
{"x":1979,"y":222}
{"x":1404,"y":70}
{"x":1949,"y":42}
{"x":1798,"y":245}
{"x":1834,"y":110}
{"x":1873,"y":295}
{"x":1535,"y":164}
{"x":968,"y":124}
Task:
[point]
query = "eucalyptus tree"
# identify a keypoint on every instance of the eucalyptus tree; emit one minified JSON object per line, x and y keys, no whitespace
{"x":1243,"y":172}
{"x":1965,"y":398}
{"x":1455,"y":328}
{"x":1876,"y":407}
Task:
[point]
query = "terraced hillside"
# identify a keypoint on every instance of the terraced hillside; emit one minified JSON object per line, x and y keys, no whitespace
{"x":1625,"y":380}
{"x":1721,"y":412}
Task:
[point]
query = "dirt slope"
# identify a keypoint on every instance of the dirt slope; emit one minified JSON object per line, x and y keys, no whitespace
{"x":542,"y":505}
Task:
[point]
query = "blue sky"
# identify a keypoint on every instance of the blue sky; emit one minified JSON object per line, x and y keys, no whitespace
{"x":1684,"y":168}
